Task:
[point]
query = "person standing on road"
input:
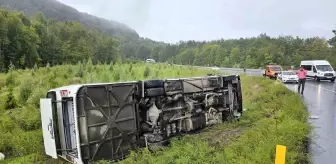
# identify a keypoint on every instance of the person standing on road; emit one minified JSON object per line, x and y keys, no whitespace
{"x":302,"y":74}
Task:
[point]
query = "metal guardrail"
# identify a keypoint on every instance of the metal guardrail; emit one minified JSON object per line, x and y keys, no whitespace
{"x":250,"y":72}
{"x":224,"y":68}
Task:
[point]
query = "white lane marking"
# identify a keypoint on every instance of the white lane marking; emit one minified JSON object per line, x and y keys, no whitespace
{"x":321,"y":88}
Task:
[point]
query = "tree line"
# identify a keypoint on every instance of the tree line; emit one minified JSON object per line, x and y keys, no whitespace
{"x":38,"y":41}
{"x":255,"y":52}
{"x":26,"y":42}
{"x":61,"y":12}
{"x":252,"y":52}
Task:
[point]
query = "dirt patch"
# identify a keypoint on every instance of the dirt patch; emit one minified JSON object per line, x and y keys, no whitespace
{"x":224,"y":137}
{"x":218,"y":137}
{"x":256,"y":87}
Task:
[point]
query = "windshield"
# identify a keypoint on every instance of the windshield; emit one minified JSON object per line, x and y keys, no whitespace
{"x":288,"y":73}
{"x":324,"y":68}
{"x":275,"y":68}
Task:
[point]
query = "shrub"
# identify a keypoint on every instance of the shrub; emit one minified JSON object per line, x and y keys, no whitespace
{"x":34,"y":99}
{"x":26,"y":143}
{"x":80,"y":72}
{"x":116,"y":76}
{"x":2,"y":81}
{"x":5,"y":145}
{"x":11,"y":79}
{"x":31,"y":158}
{"x":25,"y":91}
{"x":27,"y":118}
{"x":11,"y":101}
{"x":147,"y":72}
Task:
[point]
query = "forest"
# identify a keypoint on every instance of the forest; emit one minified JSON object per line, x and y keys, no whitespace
{"x":29,"y":41}
{"x":54,"y":9}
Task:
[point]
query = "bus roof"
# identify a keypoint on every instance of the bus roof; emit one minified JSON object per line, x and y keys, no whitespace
{"x":75,"y":87}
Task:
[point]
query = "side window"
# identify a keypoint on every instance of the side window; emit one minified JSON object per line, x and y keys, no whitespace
{"x":307,"y":67}
{"x":314,"y":69}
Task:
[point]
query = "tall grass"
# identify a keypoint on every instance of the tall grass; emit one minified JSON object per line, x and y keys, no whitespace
{"x":20,"y":90}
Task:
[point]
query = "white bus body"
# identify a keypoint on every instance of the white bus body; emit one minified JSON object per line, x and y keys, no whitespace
{"x":89,"y":122}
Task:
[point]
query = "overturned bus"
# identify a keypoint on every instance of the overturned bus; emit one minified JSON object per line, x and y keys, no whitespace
{"x":104,"y":121}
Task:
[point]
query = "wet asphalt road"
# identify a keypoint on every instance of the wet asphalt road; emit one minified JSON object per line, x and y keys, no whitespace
{"x":320,"y":98}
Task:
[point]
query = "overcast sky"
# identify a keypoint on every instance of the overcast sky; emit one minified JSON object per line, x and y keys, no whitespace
{"x":174,"y":20}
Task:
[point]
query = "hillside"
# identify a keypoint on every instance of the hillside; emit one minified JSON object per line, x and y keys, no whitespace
{"x":27,"y":42}
{"x":57,"y":42}
{"x":61,"y":12}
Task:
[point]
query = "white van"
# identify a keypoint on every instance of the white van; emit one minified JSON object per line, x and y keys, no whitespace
{"x":319,"y":70}
{"x":150,"y":60}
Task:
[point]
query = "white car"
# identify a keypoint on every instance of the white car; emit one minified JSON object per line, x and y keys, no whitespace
{"x":288,"y":77}
{"x":215,"y":68}
{"x":150,"y":60}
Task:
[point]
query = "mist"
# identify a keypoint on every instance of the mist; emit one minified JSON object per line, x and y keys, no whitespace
{"x":175,"y":20}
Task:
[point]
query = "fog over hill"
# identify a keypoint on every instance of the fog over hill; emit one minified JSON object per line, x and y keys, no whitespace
{"x":59,"y":11}
{"x":176,"y":20}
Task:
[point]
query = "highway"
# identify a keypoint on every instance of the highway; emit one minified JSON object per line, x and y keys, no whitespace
{"x":320,"y":98}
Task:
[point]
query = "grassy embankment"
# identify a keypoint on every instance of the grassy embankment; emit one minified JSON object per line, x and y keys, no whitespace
{"x":252,"y":140}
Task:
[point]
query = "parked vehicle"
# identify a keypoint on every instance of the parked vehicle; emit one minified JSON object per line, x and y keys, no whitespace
{"x":288,"y":77}
{"x":272,"y":71}
{"x":88,"y":122}
{"x":215,"y":68}
{"x":319,"y":70}
{"x":2,"y":156}
{"x":150,"y":60}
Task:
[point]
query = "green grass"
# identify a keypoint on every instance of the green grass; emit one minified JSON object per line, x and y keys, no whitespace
{"x":251,"y":140}
{"x":20,"y":90}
